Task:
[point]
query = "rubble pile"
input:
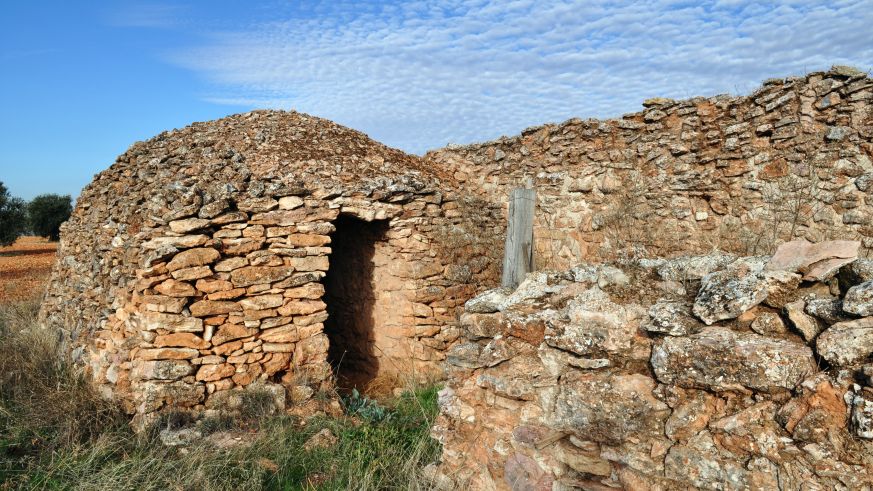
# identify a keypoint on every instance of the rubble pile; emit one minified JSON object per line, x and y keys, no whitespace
{"x":714,"y":372}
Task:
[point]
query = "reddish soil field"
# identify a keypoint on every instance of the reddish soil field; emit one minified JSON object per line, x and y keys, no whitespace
{"x":25,"y":267}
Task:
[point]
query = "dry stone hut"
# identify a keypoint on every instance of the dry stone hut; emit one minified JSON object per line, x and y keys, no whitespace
{"x":267,"y":247}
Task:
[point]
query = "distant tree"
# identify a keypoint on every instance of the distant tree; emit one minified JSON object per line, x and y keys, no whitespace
{"x":47,"y":213}
{"x":13,"y":217}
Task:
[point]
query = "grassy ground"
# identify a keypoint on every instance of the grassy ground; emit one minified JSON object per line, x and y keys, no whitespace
{"x":57,"y":433}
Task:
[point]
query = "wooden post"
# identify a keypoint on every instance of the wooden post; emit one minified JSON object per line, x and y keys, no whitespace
{"x":518,"y":255}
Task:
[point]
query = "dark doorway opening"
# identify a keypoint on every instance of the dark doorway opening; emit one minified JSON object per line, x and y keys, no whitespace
{"x":350,"y":298}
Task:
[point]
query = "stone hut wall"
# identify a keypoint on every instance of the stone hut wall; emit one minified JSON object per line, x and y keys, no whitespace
{"x":792,"y":159}
{"x":712,"y":372}
{"x":196,"y":264}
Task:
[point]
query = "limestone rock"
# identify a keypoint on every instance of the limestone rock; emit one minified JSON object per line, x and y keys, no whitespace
{"x":173,"y":288}
{"x":152,"y":321}
{"x":862,"y":413}
{"x":193,"y":257}
{"x":690,"y":268}
{"x":728,"y":293}
{"x":477,"y":326}
{"x":160,"y":303}
{"x":252,"y":275}
{"x":211,"y":373}
{"x":846,"y":343}
{"x":518,"y":378}
{"x":181,"y":340}
{"x":672,"y":318}
{"x":205,"y":308}
{"x":161,"y":370}
{"x":596,"y":325}
{"x":168,"y":354}
{"x":262,"y":302}
{"x":535,"y":286}
{"x":179,"y":437}
{"x":846,"y":71}
{"x":817,"y":414}
{"x":609,"y":408}
{"x":465,"y":355}
{"x":699,"y":463}
{"x":805,"y":324}
{"x":488,"y":301}
{"x":768,"y":324}
{"x":859,"y":299}
{"x":179,"y":242}
{"x":582,"y":460}
{"x":188,"y":225}
{"x":523,"y":473}
{"x":720,"y":359}
{"x":817,"y":262}
{"x":154,"y":395}
{"x":829,"y":310}
{"x":690,"y":415}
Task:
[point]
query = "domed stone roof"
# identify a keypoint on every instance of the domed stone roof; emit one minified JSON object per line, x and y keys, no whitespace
{"x":242,"y":163}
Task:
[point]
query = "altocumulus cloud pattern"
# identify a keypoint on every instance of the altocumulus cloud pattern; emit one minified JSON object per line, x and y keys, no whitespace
{"x":418,"y":75}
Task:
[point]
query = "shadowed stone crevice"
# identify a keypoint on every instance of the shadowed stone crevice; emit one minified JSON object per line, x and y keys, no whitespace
{"x":350,"y":298}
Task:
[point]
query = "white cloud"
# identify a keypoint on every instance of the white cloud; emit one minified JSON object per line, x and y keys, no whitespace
{"x":421,"y":74}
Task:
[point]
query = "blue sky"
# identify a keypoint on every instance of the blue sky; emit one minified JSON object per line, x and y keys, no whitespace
{"x":81,"y":81}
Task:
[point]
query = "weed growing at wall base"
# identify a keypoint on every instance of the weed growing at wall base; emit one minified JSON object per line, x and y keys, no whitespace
{"x":57,"y":433}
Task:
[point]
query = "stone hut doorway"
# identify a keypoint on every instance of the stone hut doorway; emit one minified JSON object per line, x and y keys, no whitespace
{"x":351,"y":296}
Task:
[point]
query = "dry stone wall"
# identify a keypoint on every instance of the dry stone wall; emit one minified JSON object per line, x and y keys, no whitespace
{"x":701,"y":372}
{"x":197,"y":263}
{"x":792,"y":159}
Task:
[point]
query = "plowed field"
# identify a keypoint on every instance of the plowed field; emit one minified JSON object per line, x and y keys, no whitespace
{"x":25,"y":267}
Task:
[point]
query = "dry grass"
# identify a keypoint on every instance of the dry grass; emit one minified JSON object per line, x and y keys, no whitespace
{"x":61,"y":408}
{"x":57,"y":433}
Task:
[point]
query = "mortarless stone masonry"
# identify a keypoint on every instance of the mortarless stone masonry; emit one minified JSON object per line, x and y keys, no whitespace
{"x":725,"y":172}
{"x":197,"y":263}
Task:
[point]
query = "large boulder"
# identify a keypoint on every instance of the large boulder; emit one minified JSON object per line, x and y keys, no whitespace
{"x":720,"y":359}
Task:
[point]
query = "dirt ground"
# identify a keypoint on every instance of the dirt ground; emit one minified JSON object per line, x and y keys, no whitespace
{"x":25,"y":267}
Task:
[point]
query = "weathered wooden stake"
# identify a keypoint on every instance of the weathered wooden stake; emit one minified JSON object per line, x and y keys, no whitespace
{"x":518,"y":255}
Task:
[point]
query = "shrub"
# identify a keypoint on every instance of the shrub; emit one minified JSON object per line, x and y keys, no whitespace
{"x":13,"y":217}
{"x":47,"y":212}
